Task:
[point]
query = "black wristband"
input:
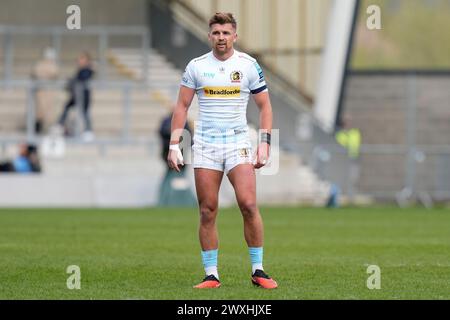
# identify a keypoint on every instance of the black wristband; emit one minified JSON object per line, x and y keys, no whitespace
{"x":265,"y":137}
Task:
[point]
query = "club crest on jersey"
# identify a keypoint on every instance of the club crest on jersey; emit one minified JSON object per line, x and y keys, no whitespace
{"x":236,"y":76}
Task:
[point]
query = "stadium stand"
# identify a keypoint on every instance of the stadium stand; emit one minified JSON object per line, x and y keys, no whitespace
{"x":133,"y":170}
{"x":122,"y":166}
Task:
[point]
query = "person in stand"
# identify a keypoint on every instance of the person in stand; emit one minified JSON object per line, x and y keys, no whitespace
{"x":45,"y":70}
{"x":170,"y":193}
{"x":27,"y":161}
{"x":79,"y":88}
{"x":350,"y":138}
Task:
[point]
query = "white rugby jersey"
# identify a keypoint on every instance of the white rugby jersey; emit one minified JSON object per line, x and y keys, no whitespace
{"x":223,"y":89}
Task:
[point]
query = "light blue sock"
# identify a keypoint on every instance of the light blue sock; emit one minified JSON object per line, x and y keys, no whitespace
{"x":209,"y":259}
{"x":256,"y":258}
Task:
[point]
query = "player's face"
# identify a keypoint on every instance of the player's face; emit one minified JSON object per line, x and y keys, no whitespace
{"x":222,"y":37}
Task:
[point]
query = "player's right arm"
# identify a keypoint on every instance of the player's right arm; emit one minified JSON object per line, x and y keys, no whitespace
{"x":179,"y":117}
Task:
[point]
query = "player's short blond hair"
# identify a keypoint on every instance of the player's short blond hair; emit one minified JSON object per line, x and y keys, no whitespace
{"x":223,"y":18}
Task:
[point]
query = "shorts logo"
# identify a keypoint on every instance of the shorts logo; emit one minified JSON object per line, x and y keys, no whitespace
{"x":222,"y":92}
{"x":244,"y":153}
{"x":236,"y":76}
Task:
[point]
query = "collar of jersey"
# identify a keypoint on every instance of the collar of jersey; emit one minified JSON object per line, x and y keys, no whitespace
{"x":217,"y":60}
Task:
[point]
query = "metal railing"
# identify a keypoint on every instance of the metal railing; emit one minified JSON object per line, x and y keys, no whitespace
{"x":405,"y":156}
{"x":408,"y":176}
{"x":32,"y":86}
{"x":103,"y":34}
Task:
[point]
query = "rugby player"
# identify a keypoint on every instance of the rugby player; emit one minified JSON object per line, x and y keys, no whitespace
{"x":223,"y":80}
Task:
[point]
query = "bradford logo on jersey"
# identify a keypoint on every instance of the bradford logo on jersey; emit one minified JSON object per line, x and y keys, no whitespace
{"x":236,"y":76}
{"x":222,"y":92}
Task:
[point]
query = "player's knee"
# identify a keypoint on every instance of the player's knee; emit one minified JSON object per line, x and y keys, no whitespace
{"x":208,"y":214}
{"x":248,"y":208}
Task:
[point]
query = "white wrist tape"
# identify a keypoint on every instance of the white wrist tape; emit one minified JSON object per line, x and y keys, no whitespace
{"x":176,"y":147}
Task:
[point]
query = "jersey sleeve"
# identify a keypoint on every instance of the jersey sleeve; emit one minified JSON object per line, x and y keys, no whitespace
{"x":257,"y":82}
{"x":188,"y":79}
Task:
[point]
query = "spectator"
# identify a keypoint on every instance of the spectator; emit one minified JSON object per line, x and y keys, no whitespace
{"x":174,"y":189}
{"x":164,"y":133}
{"x":26,"y":162}
{"x":350,"y":138}
{"x":79,"y":87}
{"x":45,"y":70}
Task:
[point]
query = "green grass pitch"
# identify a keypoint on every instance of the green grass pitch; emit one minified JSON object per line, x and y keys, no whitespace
{"x":313,"y":253}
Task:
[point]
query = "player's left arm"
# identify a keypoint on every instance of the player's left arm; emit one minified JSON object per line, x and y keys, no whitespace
{"x":262,"y":100}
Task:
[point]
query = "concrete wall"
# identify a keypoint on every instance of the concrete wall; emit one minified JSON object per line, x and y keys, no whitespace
{"x":79,"y":190}
{"x":402,"y":109}
{"x":379,"y":105}
{"x":130,"y":176}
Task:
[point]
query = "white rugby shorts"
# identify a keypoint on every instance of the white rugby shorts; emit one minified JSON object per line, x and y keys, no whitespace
{"x":221,"y":157}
